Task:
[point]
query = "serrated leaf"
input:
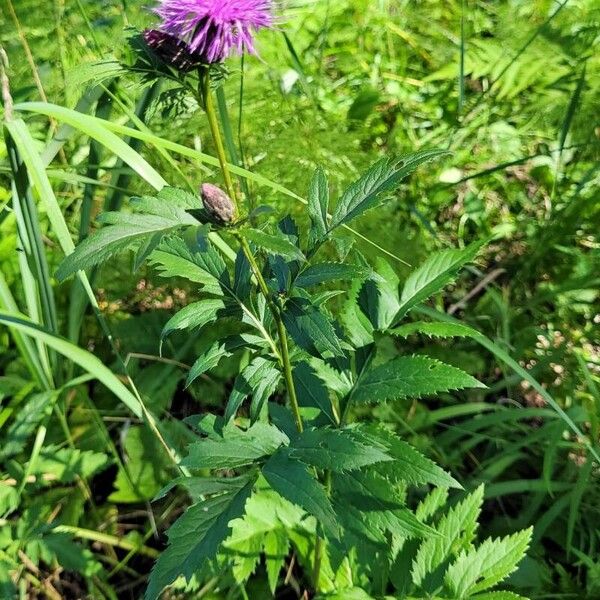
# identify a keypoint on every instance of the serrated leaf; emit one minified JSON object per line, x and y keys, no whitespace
{"x":436,"y":272}
{"x":483,"y":567}
{"x":502,"y":595}
{"x":242,"y":281}
{"x":275,"y":545}
{"x":435,"y":500}
{"x":235,"y":447}
{"x":318,"y":204}
{"x":276,"y":244}
{"x":457,"y":529}
{"x":292,"y":479}
{"x":310,"y":328}
{"x":195,"y":537}
{"x":259,"y":380}
{"x":336,"y":449}
{"x":410,"y":377}
{"x":210,"y":358}
{"x":198,"y":487}
{"x":196,"y":315}
{"x":176,"y":258}
{"x":409,"y":464}
{"x":357,"y":325}
{"x":379,"y":503}
{"x":110,"y":240}
{"x":382,"y":177}
{"x":311,"y":390}
{"x":378,"y":297}
{"x":432,"y":329}
{"x":323,"y":272}
{"x":170,"y":202}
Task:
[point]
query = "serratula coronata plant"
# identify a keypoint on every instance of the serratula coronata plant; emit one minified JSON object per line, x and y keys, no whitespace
{"x":287,"y":468}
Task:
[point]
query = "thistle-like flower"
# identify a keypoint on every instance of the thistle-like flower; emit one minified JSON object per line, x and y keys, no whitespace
{"x":214,"y":29}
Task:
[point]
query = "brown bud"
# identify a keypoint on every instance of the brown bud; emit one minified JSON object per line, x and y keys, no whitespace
{"x":217,"y":203}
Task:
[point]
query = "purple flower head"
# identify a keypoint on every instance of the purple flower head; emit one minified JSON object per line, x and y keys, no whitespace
{"x":214,"y":29}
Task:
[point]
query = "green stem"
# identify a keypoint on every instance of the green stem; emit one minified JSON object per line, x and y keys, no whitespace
{"x":284,"y":357}
{"x":211,"y":114}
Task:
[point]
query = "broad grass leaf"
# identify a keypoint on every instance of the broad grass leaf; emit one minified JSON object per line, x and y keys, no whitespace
{"x":410,"y":377}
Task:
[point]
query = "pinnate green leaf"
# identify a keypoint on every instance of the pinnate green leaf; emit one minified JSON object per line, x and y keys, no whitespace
{"x":409,"y":465}
{"x":379,"y":502}
{"x":433,"y":329}
{"x":323,"y":272}
{"x":196,"y":315}
{"x":337,"y":449}
{"x":65,"y":464}
{"x":435,"y":273}
{"x":310,"y":328}
{"x":457,"y":529}
{"x":410,"y":377}
{"x":110,"y":240}
{"x":195,"y":537}
{"x":492,"y":561}
{"x":276,"y":244}
{"x":259,"y":380}
{"x":311,"y":389}
{"x":235,"y":447}
{"x":293,"y":480}
{"x":382,"y":177}
{"x":175,"y":257}
{"x":501,"y":595}
{"x":318,"y":204}
{"x":378,"y":296}
{"x":210,"y":358}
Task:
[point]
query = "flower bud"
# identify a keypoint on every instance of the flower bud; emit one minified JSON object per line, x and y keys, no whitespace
{"x":217,"y":203}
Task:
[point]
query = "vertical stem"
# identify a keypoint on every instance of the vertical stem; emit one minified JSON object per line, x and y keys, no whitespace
{"x":211,"y":114}
{"x":286,"y":366}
